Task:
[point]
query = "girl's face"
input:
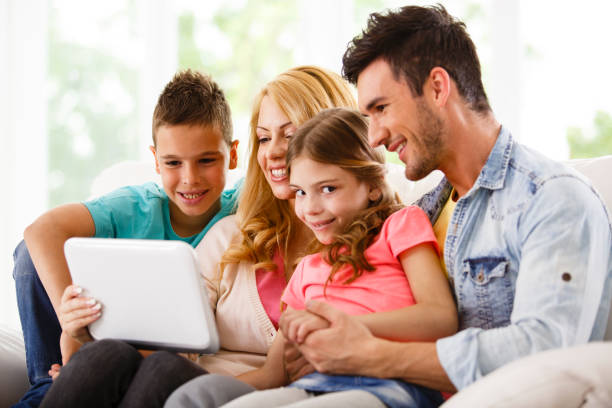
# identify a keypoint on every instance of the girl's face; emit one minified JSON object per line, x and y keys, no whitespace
{"x":273,"y":132}
{"x":327,"y":197}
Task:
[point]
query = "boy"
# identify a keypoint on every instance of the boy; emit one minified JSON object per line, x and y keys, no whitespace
{"x":193,"y":149}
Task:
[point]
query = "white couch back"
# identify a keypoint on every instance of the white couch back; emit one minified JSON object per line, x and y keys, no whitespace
{"x":597,"y":170}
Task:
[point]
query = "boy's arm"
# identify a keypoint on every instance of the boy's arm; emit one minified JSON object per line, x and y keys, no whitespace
{"x":434,"y":315}
{"x":272,"y":374}
{"x":45,"y":239}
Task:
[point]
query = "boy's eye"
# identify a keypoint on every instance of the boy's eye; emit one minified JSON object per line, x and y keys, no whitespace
{"x":172,"y":163}
{"x":207,"y":160}
{"x":328,"y":189}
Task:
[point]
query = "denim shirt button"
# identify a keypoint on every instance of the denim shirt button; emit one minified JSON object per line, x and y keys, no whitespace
{"x":480,"y":276}
{"x":566,"y":276}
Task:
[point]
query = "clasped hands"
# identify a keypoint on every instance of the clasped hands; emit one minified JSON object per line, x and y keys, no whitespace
{"x":324,"y":339}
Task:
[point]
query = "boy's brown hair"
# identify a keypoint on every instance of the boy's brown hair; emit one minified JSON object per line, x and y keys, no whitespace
{"x":192,"y":98}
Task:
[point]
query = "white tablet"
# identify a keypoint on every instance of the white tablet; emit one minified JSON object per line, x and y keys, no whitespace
{"x":151,"y":292}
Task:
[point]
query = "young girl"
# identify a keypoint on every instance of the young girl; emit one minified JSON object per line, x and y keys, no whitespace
{"x":374,"y":260}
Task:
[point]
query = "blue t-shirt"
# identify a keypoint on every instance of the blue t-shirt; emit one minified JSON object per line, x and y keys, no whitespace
{"x":142,"y":212}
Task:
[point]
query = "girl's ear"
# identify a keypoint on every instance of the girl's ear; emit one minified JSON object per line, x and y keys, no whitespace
{"x":374,"y":194}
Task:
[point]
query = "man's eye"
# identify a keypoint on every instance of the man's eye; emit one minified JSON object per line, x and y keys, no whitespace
{"x":328,"y":189}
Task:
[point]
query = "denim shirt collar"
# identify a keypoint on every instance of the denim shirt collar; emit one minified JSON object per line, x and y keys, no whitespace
{"x":493,"y":174}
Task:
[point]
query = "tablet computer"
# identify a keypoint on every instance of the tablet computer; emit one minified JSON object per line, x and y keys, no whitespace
{"x":151,"y":292}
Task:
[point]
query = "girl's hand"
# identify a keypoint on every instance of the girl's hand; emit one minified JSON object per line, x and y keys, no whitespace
{"x":76,"y":312}
{"x":296,"y":325}
{"x":296,"y":365}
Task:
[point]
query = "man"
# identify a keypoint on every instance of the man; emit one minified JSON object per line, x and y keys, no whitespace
{"x":528,"y":244}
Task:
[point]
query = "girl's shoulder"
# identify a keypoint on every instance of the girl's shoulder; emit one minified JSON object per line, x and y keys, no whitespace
{"x":406,"y":214}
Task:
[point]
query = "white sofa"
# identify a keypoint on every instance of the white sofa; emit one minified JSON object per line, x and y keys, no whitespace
{"x":13,"y":378}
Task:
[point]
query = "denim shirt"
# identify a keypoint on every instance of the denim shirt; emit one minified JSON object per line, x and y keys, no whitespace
{"x":528,"y":252}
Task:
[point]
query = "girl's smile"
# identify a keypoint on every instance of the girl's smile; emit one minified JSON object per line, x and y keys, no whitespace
{"x":327,"y":197}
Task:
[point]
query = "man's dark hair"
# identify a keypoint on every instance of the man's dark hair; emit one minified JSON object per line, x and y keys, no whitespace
{"x":414,"y":40}
{"x":192,"y":98}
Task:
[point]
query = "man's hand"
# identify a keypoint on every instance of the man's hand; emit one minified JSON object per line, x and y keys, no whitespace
{"x":343,"y":348}
{"x":76,"y":312}
{"x":296,"y":325}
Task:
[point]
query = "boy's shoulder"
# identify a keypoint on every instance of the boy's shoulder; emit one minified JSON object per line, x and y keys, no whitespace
{"x":143,"y":193}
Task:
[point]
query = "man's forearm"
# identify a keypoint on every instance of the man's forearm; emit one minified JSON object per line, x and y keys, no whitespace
{"x":415,"y":363}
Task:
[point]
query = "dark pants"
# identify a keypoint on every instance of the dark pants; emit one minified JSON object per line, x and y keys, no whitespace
{"x":41,"y":329}
{"x":111,"y":373}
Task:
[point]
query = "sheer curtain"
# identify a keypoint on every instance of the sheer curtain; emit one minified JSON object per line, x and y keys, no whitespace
{"x":23,"y":67}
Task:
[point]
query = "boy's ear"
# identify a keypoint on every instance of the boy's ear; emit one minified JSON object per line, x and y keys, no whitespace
{"x":233,"y":155}
{"x":374,"y":194}
{"x":152,"y":148}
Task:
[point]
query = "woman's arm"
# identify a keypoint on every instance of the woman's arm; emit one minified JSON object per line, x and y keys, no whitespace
{"x":433,"y":316}
{"x":272,"y":374}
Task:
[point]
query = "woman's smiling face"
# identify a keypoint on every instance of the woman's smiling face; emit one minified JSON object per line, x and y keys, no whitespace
{"x":273,"y":131}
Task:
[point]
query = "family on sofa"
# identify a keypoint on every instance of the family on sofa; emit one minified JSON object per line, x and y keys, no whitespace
{"x":368,"y":316}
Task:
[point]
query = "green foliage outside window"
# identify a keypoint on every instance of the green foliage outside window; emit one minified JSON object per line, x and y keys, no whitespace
{"x":91,"y":111}
{"x":600,"y":144}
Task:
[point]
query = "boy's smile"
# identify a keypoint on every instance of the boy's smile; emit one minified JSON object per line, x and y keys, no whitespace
{"x":193,"y":161}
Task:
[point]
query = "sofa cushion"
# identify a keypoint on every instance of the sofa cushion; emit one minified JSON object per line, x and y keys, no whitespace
{"x":571,"y":377}
{"x":13,"y":374}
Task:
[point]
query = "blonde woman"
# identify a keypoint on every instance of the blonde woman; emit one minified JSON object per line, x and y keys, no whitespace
{"x":247,"y":261}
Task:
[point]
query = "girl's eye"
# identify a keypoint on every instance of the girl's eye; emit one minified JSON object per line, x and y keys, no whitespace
{"x":299,"y":193}
{"x":263,"y":140}
{"x":328,"y":189}
{"x":289,"y":136}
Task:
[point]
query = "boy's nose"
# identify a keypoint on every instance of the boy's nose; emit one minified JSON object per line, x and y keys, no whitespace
{"x":190,"y":174}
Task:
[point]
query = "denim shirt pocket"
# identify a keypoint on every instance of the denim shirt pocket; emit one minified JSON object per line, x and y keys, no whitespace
{"x":485,"y":293}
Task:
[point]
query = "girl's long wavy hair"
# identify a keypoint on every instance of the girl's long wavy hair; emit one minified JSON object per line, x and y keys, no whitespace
{"x":340,"y":137}
{"x":264,"y":220}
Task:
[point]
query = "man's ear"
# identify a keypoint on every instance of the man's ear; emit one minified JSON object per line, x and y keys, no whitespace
{"x":233,"y":155}
{"x":438,"y":85}
{"x":152,"y":148}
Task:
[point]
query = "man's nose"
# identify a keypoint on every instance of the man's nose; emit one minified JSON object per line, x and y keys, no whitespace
{"x":377,"y":134}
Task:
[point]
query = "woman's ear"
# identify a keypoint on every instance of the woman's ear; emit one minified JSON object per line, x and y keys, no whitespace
{"x":374,"y":194}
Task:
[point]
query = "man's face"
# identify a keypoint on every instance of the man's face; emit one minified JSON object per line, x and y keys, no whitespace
{"x":401,"y":122}
{"x":193,"y":161}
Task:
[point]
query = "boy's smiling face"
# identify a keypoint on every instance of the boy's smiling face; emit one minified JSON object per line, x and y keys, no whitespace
{"x":193,"y":161}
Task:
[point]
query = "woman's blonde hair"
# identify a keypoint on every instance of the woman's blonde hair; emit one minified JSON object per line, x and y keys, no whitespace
{"x":264,"y":220}
{"x":340,"y":137}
